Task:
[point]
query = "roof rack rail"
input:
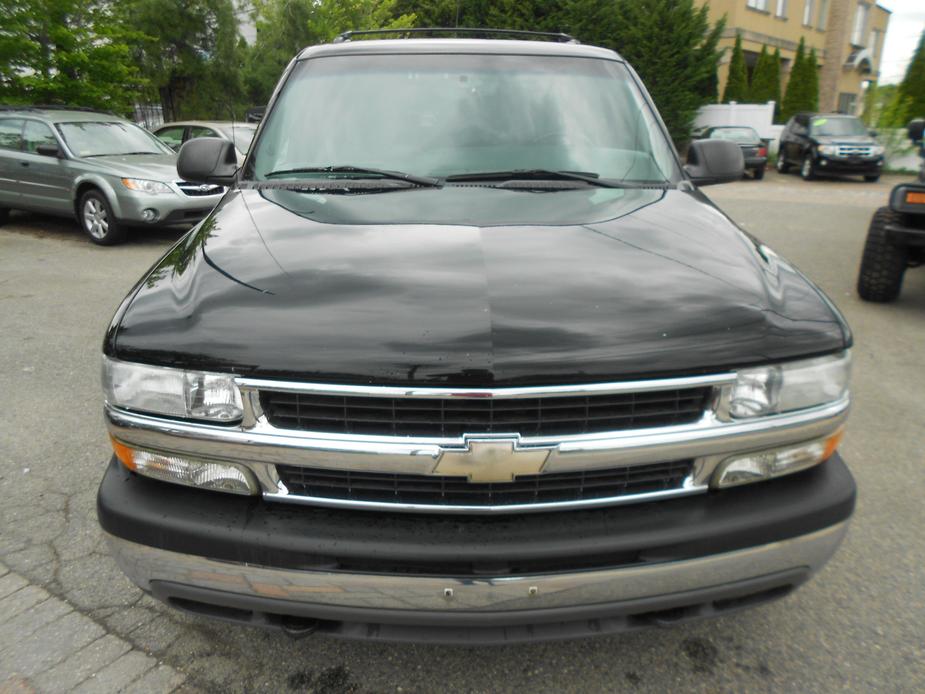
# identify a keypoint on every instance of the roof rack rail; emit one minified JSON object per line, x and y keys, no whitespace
{"x":469,"y":31}
{"x":51,"y":107}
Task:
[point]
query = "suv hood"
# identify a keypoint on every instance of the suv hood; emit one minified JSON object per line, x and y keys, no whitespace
{"x":845,"y":140}
{"x":155,"y":167}
{"x":613,"y":285}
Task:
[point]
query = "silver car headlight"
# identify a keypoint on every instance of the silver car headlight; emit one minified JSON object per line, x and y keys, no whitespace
{"x":172,"y":392}
{"x":877,"y":150}
{"x":790,"y":386}
{"x":144,"y":186}
{"x":828,"y":150}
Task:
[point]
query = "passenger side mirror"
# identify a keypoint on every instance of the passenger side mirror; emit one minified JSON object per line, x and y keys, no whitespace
{"x":714,"y":161}
{"x":208,"y":160}
{"x":873,"y":133}
{"x":916,"y":130}
{"x":48,"y":150}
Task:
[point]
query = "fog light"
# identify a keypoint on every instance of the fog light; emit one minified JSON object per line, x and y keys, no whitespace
{"x":149,"y":215}
{"x":764,"y":465}
{"x":204,"y":474}
{"x":824,"y":162}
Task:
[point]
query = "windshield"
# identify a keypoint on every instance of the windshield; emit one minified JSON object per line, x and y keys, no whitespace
{"x":737,"y":135}
{"x":241,"y":135}
{"x":834,"y":127}
{"x":445,"y":115}
{"x":88,"y":139}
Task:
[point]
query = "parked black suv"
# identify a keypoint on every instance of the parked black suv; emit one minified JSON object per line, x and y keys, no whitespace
{"x":896,"y":237}
{"x":465,"y":355}
{"x":822,"y":144}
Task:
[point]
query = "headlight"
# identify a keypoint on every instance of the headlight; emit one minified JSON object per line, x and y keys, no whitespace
{"x":828,"y":150}
{"x":877,"y":150}
{"x":171,"y":392}
{"x":144,"y":186}
{"x":791,"y":386}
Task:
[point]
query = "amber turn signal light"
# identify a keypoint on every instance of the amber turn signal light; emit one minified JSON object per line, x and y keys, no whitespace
{"x":915,"y":198}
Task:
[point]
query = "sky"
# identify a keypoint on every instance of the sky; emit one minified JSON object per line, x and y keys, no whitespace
{"x":902,"y":35}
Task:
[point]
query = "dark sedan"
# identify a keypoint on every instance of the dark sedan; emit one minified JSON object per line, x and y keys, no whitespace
{"x":754,"y":149}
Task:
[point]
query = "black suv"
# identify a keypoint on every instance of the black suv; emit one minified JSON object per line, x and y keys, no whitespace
{"x":465,"y":355}
{"x":896,"y":237}
{"x":822,"y":144}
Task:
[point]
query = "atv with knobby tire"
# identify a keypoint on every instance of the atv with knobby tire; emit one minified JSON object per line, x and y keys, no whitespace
{"x":896,"y":237}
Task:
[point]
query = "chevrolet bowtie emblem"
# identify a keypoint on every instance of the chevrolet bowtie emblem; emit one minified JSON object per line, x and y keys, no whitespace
{"x":491,"y":460}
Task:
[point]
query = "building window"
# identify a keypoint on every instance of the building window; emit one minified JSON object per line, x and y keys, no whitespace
{"x":781,"y":9}
{"x":757,"y":4}
{"x":823,"y":14}
{"x":808,"y":12}
{"x":873,"y":43}
{"x":846,"y":103}
{"x":860,"y":24}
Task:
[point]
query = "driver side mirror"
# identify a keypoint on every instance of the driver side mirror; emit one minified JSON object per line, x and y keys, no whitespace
{"x":208,"y":160}
{"x":916,"y":130}
{"x":714,"y":161}
{"x":49,"y":150}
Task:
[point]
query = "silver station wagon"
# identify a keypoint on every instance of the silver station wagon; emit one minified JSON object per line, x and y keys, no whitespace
{"x":104,"y":170}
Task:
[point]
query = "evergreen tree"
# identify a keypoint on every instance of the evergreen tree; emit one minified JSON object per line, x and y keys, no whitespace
{"x":775,"y":68}
{"x":761,"y":89}
{"x":737,"y":83}
{"x":912,"y":88}
{"x":671,"y":44}
{"x":812,"y":80}
{"x":803,"y":87}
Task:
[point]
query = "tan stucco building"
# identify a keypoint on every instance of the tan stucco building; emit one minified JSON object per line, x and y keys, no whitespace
{"x":847,"y":35}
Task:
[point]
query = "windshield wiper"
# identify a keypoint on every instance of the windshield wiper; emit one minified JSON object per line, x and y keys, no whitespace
{"x":384,"y":173}
{"x":547,"y":175}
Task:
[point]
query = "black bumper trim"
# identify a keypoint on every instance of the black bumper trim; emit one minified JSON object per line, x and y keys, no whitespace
{"x":250,"y":530}
{"x":478,"y":628}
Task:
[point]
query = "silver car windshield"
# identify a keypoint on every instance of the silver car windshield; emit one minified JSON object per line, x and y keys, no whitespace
{"x":451,"y":115}
{"x":109,"y":138}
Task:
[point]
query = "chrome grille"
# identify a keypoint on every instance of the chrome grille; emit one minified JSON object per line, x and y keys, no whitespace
{"x":199,"y":189}
{"x":448,"y":417}
{"x":437,"y":490}
{"x":855,"y":150}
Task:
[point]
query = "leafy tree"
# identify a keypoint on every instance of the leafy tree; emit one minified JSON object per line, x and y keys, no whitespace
{"x":532,"y":15}
{"x":285,"y":27}
{"x":190,"y":52}
{"x":66,"y":52}
{"x":803,"y":87}
{"x":671,"y":43}
{"x":912,"y":88}
{"x":737,"y":83}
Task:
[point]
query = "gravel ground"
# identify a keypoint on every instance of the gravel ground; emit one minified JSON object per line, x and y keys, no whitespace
{"x":859,"y":626}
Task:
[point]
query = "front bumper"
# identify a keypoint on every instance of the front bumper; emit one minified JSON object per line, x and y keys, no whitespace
{"x":383,"y":576}
{"x":858,"y":166}
{"x":176,"y":208}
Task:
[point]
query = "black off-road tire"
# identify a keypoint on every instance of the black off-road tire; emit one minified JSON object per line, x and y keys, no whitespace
{"x":872,"y":178}
{"x":883,"y":264}
{"x":4,"y":215}
{"x":782,"y":165}
{"x":97,"y":220}
{"x":758,"y":173}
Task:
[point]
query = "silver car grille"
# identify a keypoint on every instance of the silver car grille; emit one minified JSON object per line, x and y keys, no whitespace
{"x":855,"y":150}
{"x":199,"y":189}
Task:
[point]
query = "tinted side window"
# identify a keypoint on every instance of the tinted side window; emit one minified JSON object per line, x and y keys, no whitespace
{"x":172,"y":137}
{"x":200,"y":131}
{"x":35,"y":134}
{"x":11,"y":133}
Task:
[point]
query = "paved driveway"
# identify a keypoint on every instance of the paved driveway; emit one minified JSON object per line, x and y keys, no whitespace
{"x":859,"y":626}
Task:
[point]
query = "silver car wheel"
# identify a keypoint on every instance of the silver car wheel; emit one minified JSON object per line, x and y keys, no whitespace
{"x":807,"y":169}
{"x":96,"y":222}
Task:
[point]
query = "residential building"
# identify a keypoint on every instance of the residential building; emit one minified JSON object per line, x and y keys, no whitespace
{"x":847,"y":35}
